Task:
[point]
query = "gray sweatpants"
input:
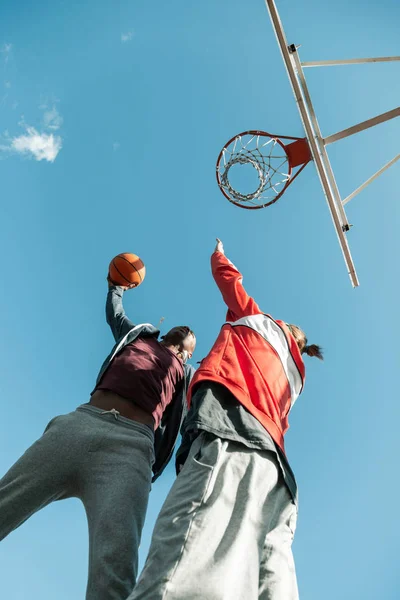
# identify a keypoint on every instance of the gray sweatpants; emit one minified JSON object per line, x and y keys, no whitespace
{"x":225,"y":530}
{"x":103,"y":459}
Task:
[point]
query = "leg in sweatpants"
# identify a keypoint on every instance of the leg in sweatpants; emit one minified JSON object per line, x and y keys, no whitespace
{"x":114,"y":488}
{"x":107,"y":464}
{"x":277,"y":570}
{"x":209,"y":539}
{"x":41,"y":475}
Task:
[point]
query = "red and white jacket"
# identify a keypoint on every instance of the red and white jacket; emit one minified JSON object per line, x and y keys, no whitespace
{"x":254,"y":356}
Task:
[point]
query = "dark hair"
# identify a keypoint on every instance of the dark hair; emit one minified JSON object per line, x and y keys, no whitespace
{"x":176,"y":335}
{"x":313,"y":350}
{"x":301,"y":339}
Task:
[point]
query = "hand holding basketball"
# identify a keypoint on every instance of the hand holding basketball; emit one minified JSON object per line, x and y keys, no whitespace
{"x":126,"y":270}
{"x":124,"y":287}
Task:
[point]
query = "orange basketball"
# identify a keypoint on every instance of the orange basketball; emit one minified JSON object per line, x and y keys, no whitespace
{"x":127,"y":269}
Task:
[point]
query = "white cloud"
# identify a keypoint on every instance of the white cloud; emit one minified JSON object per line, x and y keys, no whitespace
{"x":6,"y":51}
{"x":116,"y":146}
{"x":52,"y":119}
{"x":126,"y":37}
{"x":40,"y":146}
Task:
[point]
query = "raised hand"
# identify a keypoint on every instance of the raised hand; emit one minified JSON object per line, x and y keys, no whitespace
{"x":219,"y":247}
{"x":124,"y":287}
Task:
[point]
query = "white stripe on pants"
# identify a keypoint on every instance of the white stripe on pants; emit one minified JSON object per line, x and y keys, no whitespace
{"x":225,"y":530}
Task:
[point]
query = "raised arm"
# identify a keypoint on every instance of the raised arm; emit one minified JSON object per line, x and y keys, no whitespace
{"x":229,"y":281}
{"x":115,"y":314}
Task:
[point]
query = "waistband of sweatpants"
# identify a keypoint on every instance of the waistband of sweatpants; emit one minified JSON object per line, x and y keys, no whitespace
{"x":119,"y":419}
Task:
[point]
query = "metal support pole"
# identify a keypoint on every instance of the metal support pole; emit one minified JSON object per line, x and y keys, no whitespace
{"x":364,"y":185}
{"x":319,"y":140}
{"x":340,"y":135}
{"x":351,"y":61}
{"x":335,"y":211}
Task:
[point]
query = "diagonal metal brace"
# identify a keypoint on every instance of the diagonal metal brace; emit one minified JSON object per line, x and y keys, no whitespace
{"x":340,"y":135}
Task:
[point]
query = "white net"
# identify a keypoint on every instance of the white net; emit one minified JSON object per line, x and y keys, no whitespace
{"x":267,"y":156}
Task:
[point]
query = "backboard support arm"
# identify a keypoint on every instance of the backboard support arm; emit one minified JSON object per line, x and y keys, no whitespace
{"x":340,"y":135}
{"x":350,"y":61}
{"x":370,"y":180}
{"x":317,"y":143}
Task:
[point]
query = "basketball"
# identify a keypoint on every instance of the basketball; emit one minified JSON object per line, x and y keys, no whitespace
{"x":126,"y":269}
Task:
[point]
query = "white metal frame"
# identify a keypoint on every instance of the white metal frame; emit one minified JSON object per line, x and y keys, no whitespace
{"x":315,"y":139}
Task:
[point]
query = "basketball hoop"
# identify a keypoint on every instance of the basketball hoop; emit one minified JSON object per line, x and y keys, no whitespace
{"x":272,"y":160}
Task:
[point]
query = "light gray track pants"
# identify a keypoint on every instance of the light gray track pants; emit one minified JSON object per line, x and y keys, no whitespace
{"x":225,"y":530}
{"x":103,"y":459}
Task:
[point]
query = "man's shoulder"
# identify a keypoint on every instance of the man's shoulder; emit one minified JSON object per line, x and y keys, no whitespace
{"x":143,"y":331}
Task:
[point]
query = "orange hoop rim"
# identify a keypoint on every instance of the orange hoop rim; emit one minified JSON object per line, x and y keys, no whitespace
{"x":290,"y":157}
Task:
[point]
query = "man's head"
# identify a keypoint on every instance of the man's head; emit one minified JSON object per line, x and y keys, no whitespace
{"x":181,"y":340}
{"x":301,"y":339}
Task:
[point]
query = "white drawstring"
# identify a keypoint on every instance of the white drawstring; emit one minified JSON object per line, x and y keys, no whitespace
{"x":113,"y":411}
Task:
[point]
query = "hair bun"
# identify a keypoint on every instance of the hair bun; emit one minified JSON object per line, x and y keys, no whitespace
{"x":314,"y":350}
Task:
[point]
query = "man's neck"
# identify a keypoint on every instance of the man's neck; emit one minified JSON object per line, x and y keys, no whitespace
{"x":171,"y":347}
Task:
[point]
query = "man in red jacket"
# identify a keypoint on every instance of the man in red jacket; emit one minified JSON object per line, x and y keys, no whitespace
{"x":226,"y":529}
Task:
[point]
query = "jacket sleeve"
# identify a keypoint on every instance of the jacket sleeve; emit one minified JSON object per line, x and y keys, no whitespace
{"x":183,"y":451}
{"x":167,"y":433}
{"x":229,"y":281}
{"x":115,"y":314}
{"x":186,"y":438}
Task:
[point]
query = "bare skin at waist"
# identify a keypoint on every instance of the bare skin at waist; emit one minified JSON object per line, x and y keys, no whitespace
{"x":107,"y":400}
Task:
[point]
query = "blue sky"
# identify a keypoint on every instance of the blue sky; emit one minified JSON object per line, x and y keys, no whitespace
{"x":127,"y":104}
